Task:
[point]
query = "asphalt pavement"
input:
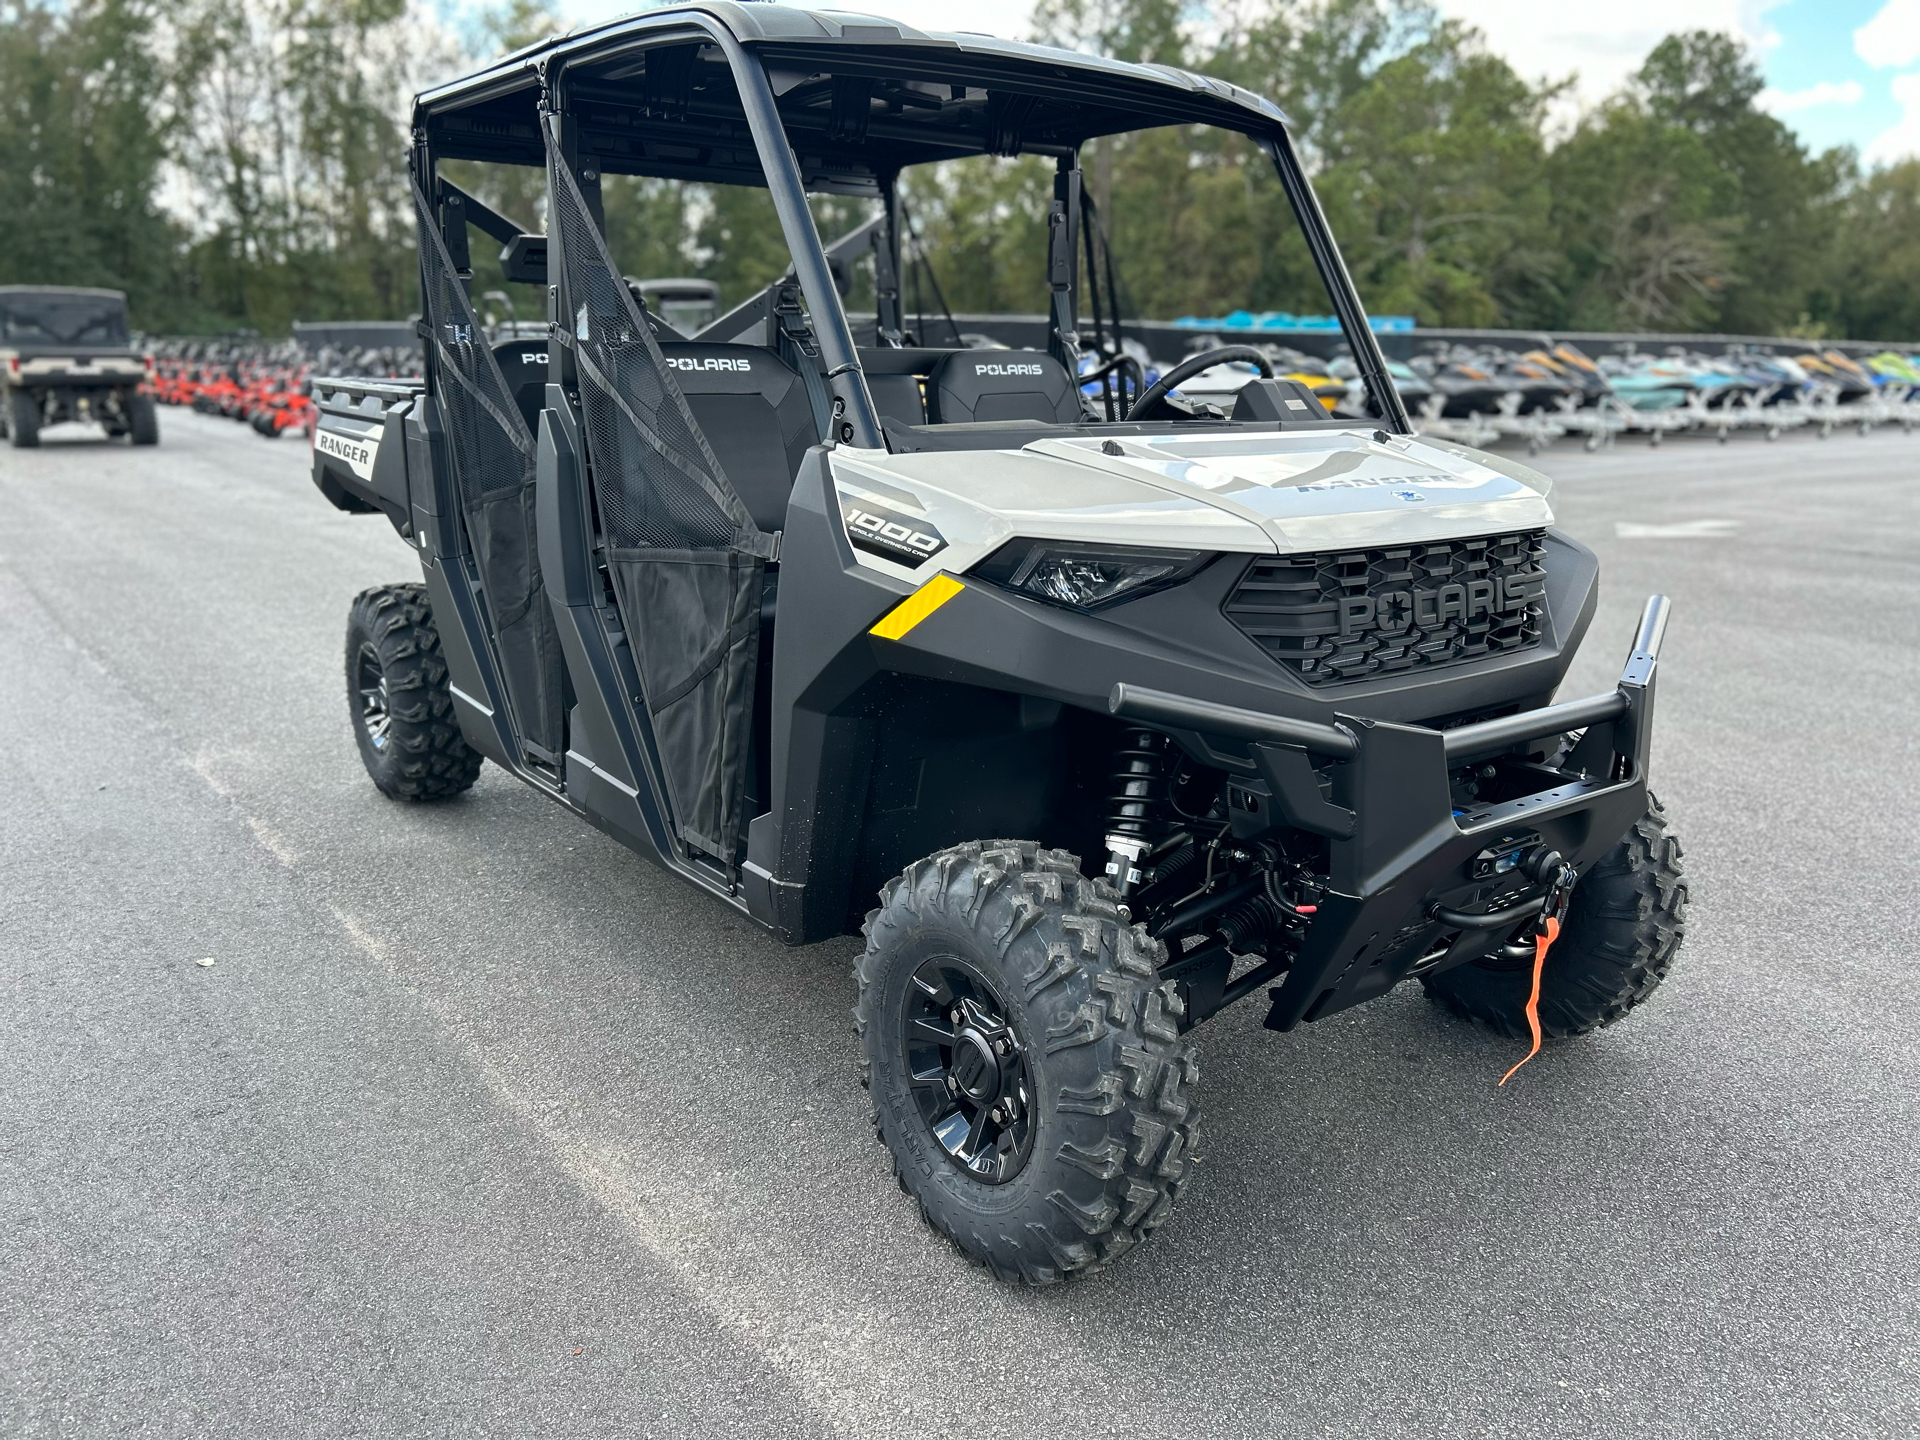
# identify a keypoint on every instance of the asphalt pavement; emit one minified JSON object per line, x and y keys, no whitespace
{"x":477,"y":1124}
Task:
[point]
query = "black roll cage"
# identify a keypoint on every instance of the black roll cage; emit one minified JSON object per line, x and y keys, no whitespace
{"x":881,"y":52}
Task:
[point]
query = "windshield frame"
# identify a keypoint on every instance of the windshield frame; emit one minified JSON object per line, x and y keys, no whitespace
{"x":571,"y":73}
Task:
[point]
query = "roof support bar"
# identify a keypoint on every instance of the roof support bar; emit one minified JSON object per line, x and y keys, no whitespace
{"x":858,"y":421}
{"x":1063,"y":243}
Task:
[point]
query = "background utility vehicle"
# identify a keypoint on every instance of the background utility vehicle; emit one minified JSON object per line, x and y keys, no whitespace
{"x":1126,"y":707}
{"x":65,"y":354}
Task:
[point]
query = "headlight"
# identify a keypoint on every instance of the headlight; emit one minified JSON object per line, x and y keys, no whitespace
{"x":1086,"y":576}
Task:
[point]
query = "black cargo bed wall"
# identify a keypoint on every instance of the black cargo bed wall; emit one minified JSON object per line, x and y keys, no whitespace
{"x":493,"y":466}
{"x":686,"y":558}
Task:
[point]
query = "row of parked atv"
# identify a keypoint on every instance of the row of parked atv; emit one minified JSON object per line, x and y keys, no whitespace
{"x":1479,"y":394}
{"x":262,"y":384}
{"x":1475,"y":395}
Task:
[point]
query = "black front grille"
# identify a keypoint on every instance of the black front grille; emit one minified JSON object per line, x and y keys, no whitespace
{"x":1359,"y":614}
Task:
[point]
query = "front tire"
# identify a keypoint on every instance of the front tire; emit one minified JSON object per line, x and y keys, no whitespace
{"x":1623,"y":927}
{"x":1050,"y":1127}
{"x":23,"y":420}
{"x":398,"y":696}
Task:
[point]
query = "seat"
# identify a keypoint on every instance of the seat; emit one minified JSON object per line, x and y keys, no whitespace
{"x":897,"y":398}
{"x":523,"y":365}
{"x":976,"y":385}
{"x":754,"y":411}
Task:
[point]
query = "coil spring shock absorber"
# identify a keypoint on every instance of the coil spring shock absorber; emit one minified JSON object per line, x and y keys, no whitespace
{"x":1137,"y":804}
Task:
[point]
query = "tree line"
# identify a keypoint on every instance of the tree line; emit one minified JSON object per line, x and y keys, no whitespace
{"x":238,"y":164}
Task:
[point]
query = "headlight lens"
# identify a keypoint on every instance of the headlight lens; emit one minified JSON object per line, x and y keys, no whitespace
{"x":1086,"y":576}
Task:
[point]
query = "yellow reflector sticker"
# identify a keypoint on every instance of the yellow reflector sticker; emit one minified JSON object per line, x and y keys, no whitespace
{"x":916,"y":607}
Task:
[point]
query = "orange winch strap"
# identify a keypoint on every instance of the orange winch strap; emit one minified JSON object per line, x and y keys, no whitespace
{"x":1541,"y":944}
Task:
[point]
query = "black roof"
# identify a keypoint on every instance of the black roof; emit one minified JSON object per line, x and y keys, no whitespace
{"x":860,"y":95}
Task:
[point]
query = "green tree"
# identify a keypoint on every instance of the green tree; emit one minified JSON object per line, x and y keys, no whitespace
{"x":1435,"y":183}
{"x":1313,"y":57}
{"x":1773,"y":201}
{"x":1641,"y":215}
{"x":1873,"y":292}
{"x":983,"y":225}
{"x":293,"y":145}
{"x":84,"y":127}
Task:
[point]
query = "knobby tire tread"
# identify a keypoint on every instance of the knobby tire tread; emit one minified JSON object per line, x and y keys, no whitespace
{"x":427,"y":757}
{"x":1121,"y":1078}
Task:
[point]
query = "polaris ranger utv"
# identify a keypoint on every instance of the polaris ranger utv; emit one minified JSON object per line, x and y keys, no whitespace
{"x":65,"y":354}
{"x":1128,"y":707}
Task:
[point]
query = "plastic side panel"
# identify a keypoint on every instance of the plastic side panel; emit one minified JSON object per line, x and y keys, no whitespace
{"x":607,"y":774}
{"x":599,"y":773}
{"x":560,"y":510}
{"x":800,"y":854}
{"x":476,"y":700}
{"x":390,"y":469}
{"x":436,"y":515}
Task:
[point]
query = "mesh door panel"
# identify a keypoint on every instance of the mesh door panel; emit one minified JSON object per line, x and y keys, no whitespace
{"x":493,"y":468}
{"x":686,"y":557}
{"x":655,"y":476}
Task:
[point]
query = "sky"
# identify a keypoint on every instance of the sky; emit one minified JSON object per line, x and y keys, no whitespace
{"x":1838,"y":71}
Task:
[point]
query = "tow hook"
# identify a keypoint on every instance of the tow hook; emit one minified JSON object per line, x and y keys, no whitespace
{"x":1553,"y":871}
{"x":1559,"y":896}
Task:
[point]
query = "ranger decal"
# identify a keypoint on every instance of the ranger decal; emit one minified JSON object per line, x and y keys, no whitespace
{"x":358,"y":452}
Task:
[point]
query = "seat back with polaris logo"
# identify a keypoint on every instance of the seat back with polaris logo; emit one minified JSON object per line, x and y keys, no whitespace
{"x":523,"y":365}
{"x":756,"y":415}
{"x":974,"y":385}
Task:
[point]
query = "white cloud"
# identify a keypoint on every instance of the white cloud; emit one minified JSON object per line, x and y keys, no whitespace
{"x":1788,"y":102}
{"x":1902,"y":141}
{"x":1603,"y":45}
{"x":1892,"y":37}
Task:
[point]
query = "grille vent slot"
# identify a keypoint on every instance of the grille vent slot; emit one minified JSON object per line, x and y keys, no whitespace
{"x":1351,"y":615}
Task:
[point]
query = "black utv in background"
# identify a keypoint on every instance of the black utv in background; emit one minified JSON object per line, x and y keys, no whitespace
{"x":66,"y":354}
{"x":1125,"y":704}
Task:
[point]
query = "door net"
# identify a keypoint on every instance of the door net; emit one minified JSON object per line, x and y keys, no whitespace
{"x":493,"y":465}
{"x":686,"y":558}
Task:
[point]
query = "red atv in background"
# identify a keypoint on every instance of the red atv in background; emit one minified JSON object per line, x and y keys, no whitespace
{"x":266,"y":384}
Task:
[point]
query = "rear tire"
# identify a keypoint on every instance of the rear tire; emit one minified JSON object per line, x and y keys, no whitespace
{"x":1101,"y":1139}
{"x":1623,"y":927}
{"x":23,"y":420}
{"x":398,"y":696}
{"x":143,"y":421}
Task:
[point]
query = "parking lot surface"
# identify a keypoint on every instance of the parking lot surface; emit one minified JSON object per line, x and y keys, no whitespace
{"x":479,"y":1125}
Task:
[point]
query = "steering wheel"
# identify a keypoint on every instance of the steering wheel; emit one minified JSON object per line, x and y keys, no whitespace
{"x":1144,"y":407}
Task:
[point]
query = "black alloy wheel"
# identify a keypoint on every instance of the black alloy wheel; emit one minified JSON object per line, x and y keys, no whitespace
{"x":1025,"y":1059}
{"x":370,"y":684}
{"x":968,"y":1070}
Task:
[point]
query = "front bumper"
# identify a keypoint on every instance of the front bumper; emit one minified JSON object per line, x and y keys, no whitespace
{"x":1403,"y":855}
